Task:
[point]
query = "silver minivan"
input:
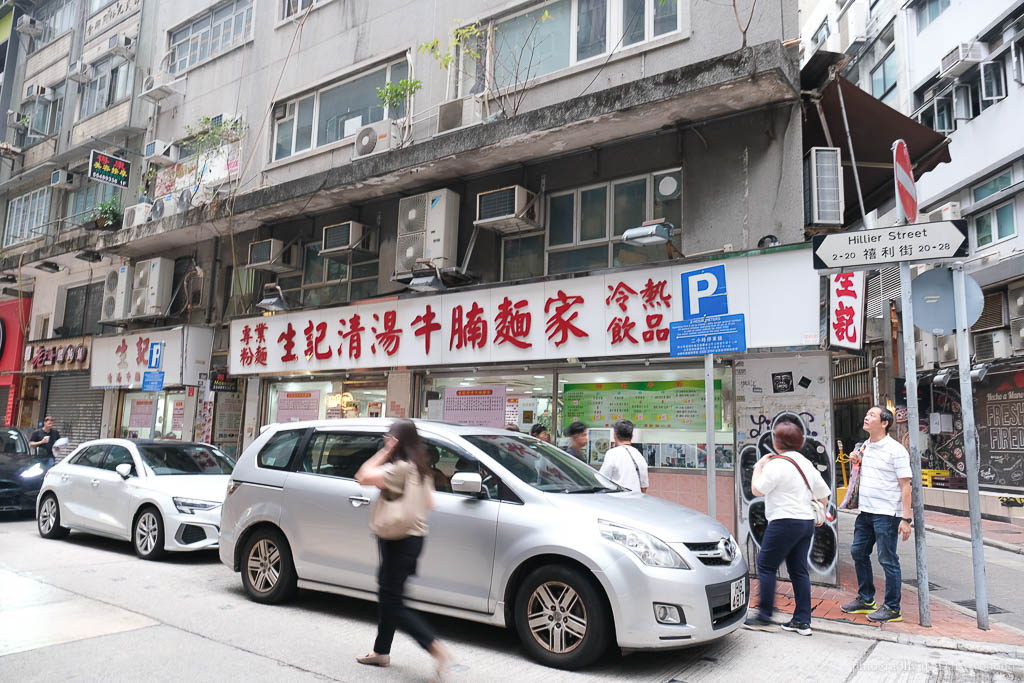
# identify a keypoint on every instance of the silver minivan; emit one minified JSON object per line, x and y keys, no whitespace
{"x":522,"y":535}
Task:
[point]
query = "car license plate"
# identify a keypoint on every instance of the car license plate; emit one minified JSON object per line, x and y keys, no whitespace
{"x":738,"y":593}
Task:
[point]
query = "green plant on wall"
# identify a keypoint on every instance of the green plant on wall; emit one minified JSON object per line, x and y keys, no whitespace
{"x":395,"y":95}
{"x":107,"y":213}
{"x":207,"y":136}
{"x":460,"y":41}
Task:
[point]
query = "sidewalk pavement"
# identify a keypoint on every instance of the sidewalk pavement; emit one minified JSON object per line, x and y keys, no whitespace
{"x":1009,"y":537}
{"x":952,"y":627}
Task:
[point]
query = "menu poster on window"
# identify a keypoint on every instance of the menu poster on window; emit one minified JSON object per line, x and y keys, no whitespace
{"x":476,"y":406}
{"x":178,"y":416}
{"x":295,"y":406}
{"x":227,"y":417}
{"x":140,"y":413}
{"x":675,"y":404}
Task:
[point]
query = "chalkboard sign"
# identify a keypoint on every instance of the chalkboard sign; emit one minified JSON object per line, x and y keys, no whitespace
{"x":999,"y":411}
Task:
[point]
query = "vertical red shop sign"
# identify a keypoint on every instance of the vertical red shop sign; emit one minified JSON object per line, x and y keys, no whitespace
{"x":846,"y":310}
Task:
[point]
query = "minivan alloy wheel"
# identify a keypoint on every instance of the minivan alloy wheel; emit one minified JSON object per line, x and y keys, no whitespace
{"x":557,"y":617}
{"x":264,"y":565}
{"x":147,"y":532}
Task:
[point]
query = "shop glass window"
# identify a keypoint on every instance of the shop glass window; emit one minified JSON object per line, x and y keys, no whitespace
{"x":883,"y":79}
{"x":81,"y":202}
{"x":26,"y":216}
{"x":336,"y":112}
{"x":528,"y":396}
{"x":110,"y":85}
{"x":928,"y":11}
{"x":277,"y":452}
{"x":82,"y":309}
{"x":994,"y":225}
{"x":210,"y":34}
{"x":522,"y":257}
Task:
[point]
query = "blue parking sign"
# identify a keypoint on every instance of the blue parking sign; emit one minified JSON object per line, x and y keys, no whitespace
{"x":156,"y":355}
{"x":704,"y":293}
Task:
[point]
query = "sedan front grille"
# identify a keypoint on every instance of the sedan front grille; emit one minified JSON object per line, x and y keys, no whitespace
{"x":710,"y":554}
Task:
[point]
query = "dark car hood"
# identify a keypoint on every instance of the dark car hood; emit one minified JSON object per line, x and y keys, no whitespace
{"x":11,"y":468}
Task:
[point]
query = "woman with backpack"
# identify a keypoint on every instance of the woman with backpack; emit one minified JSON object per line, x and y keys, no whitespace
{"x":399,"y":520}
{"x":795,"y":501}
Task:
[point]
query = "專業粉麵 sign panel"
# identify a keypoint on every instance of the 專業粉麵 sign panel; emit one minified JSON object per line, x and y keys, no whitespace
{"x":864,"y":249}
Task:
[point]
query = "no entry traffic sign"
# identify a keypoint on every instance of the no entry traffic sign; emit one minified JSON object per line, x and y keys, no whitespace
{"x":883,"y":246}
{"x":906,"y":188}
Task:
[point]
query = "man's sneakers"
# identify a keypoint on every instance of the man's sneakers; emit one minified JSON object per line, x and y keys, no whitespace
{"x":758,"y":623}
{"x":797,"y":627}
{"x":859,"y":606}
{"x":883,"y":613}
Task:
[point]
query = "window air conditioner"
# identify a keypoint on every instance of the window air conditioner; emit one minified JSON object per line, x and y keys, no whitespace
{"x":950,"y":211}
{"x":946,"y":349}
{"x":64,"y":180}
{"x":991,"y":345}
{"x":136,"y":215}
{"x":458,"y":113}
{"x":117,"y":293}
{"x":29,"y":26}
{"x":161,"y":153}
{"x":121,"y":45}
{"x":80,"y":72}
{"x":509,"y":209}
{"x":347,"y":236}
{"x":375,"y":138}
{"x":16,"y":120}
{"x":39,"y":92}
{"x":271,"y":255}
{"x":993,"y":313}
{"x":157,"y":87}
{"x":925,"y":352}
{"x":823,"y":187}
{"x":961,"y":58}
{"x":151,"y":287}
{"x":428,"y":230}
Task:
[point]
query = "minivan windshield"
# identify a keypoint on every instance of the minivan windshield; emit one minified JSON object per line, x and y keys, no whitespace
{"x":185,"y":459}
{"x":541,"y":465}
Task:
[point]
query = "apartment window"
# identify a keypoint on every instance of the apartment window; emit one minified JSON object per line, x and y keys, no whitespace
{"x":928,"y":11}
{"x":97,"y":5}
{"x":82,"y":308}
{"x":210,"y":34}
{"x":44,"y":116}
{"x":331,"y":279}
{"x":554,"y":35}
{"x":821,"y":35}
{"x":522,"y":257}
{"x":973,"y":93}
{"x":997,"y":223}
{"x":585,"y":226}
{"x":111,"y":84}
{"x":26,"y":215}
{"x":291,"y":8}
{"x":56,"y":19}
{"x":337,"y":111}
{"x":883,"y":79}
{"x":81,"y":202}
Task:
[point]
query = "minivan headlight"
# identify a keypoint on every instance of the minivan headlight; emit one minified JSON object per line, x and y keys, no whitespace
{"x":190,"y":505}
{"x":652,"y":551}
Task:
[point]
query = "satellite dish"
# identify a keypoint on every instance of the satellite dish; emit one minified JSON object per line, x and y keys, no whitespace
{"x":931,"y":294}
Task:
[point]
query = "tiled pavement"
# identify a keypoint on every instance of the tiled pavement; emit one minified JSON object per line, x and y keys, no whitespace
{"x":999,"y":534}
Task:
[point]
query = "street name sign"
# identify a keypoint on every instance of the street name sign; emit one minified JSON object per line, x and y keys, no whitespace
{"x":866,"y":249}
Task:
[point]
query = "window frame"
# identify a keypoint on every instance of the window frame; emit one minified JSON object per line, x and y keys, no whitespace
{"x":40,"y":200}
{"x":85,"y":327}
{"x":522,"y":236}
{"x":881,"y":64}
{"x":920,"y":10}
{"x":999,"y":79}
{"x":819,"y":41}
{"x":993,"y":211}
{"x":54,"y":117}
{"x":348,"y":280}
{"x":245,"y":8}
{"x":68,"y":12}
{"x":110,"y":70}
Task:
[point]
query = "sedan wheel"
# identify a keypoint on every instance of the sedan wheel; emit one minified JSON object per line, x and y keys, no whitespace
{"x":268,"y":574}
{"x":49,"y":519}
{"x":149,"y":534}
{"x":562,"y":618}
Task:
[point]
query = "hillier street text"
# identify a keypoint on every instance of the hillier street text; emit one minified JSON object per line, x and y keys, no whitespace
{"x":893,"y":236}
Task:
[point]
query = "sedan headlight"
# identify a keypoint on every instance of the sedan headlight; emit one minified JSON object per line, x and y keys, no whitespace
{"x":652,"y":551}
{"x":190,"y":505}
{"x":34,"y":471}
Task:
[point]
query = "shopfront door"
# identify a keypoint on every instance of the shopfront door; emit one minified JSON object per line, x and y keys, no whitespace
{"x":153,"y":415}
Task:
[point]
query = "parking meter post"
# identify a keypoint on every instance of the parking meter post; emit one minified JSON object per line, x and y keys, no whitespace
{"x":970,"y":445}
{"x":913,"y":425}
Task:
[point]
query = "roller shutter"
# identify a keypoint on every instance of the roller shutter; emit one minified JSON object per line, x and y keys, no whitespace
{"x":76,"y":408}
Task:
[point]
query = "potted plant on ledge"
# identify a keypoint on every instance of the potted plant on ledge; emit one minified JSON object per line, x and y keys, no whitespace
{"x":106,"y":215}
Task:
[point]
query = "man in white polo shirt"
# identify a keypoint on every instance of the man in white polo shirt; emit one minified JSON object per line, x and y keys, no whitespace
{"x":884,"y":514}
{"x":624,"y":464}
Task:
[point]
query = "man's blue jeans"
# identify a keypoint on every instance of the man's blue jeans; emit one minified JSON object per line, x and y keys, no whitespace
{"x":786,"y":540}
{"x":868,"y":530}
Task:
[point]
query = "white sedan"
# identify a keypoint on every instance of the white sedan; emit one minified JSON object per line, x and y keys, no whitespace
{"x":160,"y":495}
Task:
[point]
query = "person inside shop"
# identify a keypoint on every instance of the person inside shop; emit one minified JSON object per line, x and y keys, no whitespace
{"x":623,"y":463}
{"x":43,"y":439}
{"x":578,"y":438}
{"x":541,"y":432}
{"x":441,"y":481}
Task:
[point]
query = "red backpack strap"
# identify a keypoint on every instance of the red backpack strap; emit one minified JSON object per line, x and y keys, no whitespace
{"x":798,"y":469}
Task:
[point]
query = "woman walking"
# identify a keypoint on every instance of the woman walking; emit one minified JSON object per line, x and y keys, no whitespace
{"x":401,"y":473}
{"x":790,"y":484}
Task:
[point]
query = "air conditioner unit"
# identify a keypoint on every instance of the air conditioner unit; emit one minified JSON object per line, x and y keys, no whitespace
{"x":509,"y":209}
{"x":271,"y":255}
{"x":161,"y":153}
{"x":946,"y":349}
{"x":428,"y":229}
{"x":458,"y":113}
{"x":29,"y":26}
{"x":993,"y":313}
{"x":165,"y":206}
{"x":64,"y":180}
{"x":151,"y":287}
{"x":823,"y":187}
{"x":961,"y":58}
{"x":950,"y":211}
{"x":1017,"y":334}
{"x":136,"y":215}
{"x":375,"y":138}
{"x":39,"y":92}
{"x":991,"y":345}
{"x":117,"y":294}
{"x":16,"y":120}
{"x":80,"y":72}
{"x":854,"y":27}
{"x":157,"y":87}
{"x":925,"y":353}
{"x":348,"y":236}
{"x":121,"y":45}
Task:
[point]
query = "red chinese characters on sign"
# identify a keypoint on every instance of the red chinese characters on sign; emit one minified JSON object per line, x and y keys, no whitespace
{"x":315,"y":335}
{"x":142,"y":346}
{"x":288,"y":339}
{"x":122,"y":353}
{"x":620,"y":294}
{"x":260,"y":357}
{"x":655,"y":297}
{"x":846,"y":305}
{"x":354,"y":335}
{"x":245,"y":354}
{"x":427,"y":326}
{"x":558,"y":324}
{"x":469,"y":329}
{"x":390,"y":336}
{"x":621,"y":330}
{"x":512,"y":324}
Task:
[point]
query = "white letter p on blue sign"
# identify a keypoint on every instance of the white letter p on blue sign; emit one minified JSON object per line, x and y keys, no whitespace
{"x":704,"y":293}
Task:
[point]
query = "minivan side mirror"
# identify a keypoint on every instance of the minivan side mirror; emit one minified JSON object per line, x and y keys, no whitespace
{"x":124,"y":469}
{"x":466,"y":482}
